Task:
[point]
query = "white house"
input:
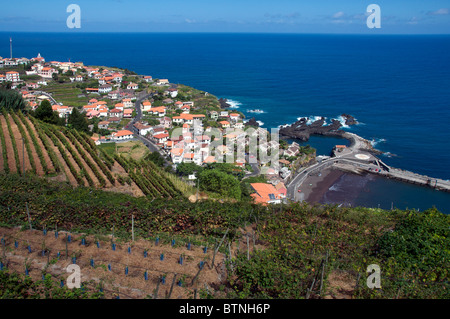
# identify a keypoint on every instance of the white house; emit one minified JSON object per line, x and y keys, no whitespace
{"x":132,"y":86}
{"x":143,"y":129}
{"x":177,"y":155}
{"x":105,"y":89}
{"x":12,"y":76}
{"x":122,"y":135}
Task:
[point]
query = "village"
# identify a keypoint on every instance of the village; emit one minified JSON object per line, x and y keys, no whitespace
{"x":123,"y":105}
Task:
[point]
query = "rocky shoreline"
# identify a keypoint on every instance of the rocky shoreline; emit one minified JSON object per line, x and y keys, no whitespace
{"x":302,"y":131}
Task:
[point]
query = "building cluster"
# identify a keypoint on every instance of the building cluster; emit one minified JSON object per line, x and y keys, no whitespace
{"x":183,"y":133}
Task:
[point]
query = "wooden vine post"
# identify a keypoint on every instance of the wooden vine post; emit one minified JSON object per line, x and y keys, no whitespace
{"x":217,"y":249}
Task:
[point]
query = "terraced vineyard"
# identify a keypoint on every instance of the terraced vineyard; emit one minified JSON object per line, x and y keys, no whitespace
{"x":29,"y":146}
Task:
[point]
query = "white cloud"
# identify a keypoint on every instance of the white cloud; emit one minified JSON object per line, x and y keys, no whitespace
{"x":338,"y":15}
{"x":442,"y":11}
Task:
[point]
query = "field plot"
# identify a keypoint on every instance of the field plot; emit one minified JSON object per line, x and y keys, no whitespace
{"x":131,"y":270}
{"x":32,"y":147}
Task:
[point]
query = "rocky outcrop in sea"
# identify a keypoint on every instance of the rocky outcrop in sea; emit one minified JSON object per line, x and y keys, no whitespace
{"x":301,"y":130}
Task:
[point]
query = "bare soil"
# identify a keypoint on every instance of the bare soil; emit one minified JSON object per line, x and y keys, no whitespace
{"x":37,"y":161}
{"x":340,"y":285}
{"x":41,"y":145}
{"x":115,"y":282}
{"x":9,"y":148}
{"x":23,"y":154}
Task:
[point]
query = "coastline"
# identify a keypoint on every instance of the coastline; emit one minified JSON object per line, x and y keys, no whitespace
{"x":316,"y":186}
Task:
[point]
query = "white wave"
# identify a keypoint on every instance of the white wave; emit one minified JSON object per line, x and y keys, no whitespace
{"x":283,"y":126}
{"x":312,"y":119}
{"x":234,"y":104}
{"x":341,"y":119}
{"x":376,"y":141}
{"x":259,"y":111}
{"x":335,"y":188}
{"x":260,"y":123}
{"x":389,"y":154}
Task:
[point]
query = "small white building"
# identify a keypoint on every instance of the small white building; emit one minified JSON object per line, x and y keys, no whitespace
{"x":104,"y":89}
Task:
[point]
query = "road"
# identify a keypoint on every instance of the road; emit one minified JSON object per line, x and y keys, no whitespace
{"x":358,"y":146}
{"x":255,"y":167}
{"x":147,"y":142}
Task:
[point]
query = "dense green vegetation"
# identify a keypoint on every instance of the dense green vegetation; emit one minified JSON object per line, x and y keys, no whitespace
{"x":299,"y":249}
{"x":18,"y":286}
{"x":11,"y":100}
{"x":45,"y":113}
{"x":306,"y":243}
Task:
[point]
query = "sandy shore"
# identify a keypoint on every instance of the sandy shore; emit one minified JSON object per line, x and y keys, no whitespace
{"x":315,"y":186}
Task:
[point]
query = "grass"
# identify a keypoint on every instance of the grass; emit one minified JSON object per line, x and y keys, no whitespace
{"x":66,"y":93}
{"x":133,"y":149}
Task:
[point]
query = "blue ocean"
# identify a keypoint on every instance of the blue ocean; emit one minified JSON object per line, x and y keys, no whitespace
{"x":396,"y":86}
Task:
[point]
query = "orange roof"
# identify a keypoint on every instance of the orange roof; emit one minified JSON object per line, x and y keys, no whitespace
{"x":123,"y":133}
{"x":263,"y":191}
{"x":224,"y":122}
{"x":210,"y":159}
{"x":162,"y":135}
{"x":119,"y":105}
{"x":188,"y":155}
{"x":12,"y":72}
{"x":159,"y":109}
{"x":177,"y":151}
{"x":234,"y":114}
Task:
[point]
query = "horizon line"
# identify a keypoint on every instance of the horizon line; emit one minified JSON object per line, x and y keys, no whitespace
{"x":224,"y":32}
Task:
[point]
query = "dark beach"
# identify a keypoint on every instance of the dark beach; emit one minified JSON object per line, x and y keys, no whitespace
{"x":315,"y":186}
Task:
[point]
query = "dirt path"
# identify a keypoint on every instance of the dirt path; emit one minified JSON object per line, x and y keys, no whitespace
{"x":133,"y":190}
{"x":47,"y":159}
{"x":9,"y":148}
{"x":86,"y":167}
{"x":37,"y":161}
{"x":94,"y":178}
{"x":67,"y":172}
{"x":23,"y":154}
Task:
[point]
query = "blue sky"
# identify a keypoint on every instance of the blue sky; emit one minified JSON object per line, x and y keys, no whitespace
{"x":285,"y":16}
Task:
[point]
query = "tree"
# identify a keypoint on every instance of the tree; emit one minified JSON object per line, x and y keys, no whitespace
{"x":156,"y":158}
{"x":220,"y":182}
{"x":78,"y":121}
{"x":45,"y":113}
{"x":11,"y":100}
{"x":186,"y":169}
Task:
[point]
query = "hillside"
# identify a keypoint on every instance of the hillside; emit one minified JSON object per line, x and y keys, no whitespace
{"x":292,"y":252}
{"x":32,"y":147}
